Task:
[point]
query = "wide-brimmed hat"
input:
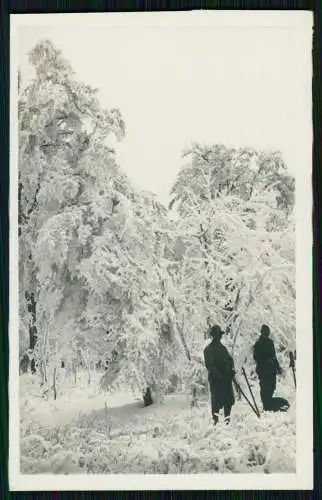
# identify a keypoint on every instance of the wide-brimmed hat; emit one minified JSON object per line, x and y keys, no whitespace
{"x":216,"y":332}
{"x":265,"y":330}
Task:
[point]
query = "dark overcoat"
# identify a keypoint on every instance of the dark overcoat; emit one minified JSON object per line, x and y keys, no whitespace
{"x":220,"y":366}
{"x":265,"y":358}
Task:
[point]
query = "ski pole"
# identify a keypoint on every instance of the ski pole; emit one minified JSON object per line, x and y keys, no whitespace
{"x":238,"y":387}
{"x":242,"y":392}
{"x":250,"y":389}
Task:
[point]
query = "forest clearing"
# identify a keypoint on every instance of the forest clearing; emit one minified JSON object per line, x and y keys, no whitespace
{"x":86,"y":431}
{"x":118,"y":293}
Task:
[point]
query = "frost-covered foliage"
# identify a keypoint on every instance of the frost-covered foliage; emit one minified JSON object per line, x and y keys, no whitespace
{"x":106,"y":277}
{"x":91,"y":283}
{"x":215,"y":170}
{"x":68,"y":180}
{"x":141,"y":334}
{"x":170,"y":438}
{"x":237,"y":231}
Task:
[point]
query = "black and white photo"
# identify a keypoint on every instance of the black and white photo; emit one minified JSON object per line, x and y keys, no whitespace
{"x":160,"y":262}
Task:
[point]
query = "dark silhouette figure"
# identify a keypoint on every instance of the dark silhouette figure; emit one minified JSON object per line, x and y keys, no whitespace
{"x":267,"y":366}
{"x":220,"y":368}
{"x":147,"y":397}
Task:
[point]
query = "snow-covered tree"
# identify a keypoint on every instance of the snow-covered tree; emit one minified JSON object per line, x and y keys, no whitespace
{"x":237,"y":230}
{"x":135,"y":267}
{"x":216,"y":170}
{"x":94,"y":247}
{"x":67,"y":179}
{"x":106,"y":275}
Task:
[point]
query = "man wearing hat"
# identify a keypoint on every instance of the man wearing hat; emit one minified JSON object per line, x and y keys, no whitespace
{"x":267,"y":366}
{"x":220,"y":366}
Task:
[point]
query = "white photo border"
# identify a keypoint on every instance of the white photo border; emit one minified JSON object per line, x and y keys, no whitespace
{"x":301,"y":23}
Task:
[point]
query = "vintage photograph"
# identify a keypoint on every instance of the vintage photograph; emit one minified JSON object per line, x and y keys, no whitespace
{"x":160,"y":180}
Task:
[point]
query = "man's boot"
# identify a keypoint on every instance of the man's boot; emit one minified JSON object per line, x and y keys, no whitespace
{"x":215,"y":418}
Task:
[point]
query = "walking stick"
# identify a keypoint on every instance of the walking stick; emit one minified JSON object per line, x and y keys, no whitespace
{"x":250,"y":389}
{"x":242,"y":392}
{"x":292,"y":365}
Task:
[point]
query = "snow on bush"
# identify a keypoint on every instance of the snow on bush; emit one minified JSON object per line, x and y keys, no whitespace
{"x":171,"y":438}
{"x":108,"y":276}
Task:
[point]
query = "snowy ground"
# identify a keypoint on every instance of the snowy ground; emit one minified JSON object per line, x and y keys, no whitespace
{"x":85,"y":431}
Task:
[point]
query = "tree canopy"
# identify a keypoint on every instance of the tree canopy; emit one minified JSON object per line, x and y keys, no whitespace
{"x":106,"y":274}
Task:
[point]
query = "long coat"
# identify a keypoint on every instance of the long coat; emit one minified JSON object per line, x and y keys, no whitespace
{"x":220,"y":366}
{"x":265,"y":357}
{"x":267,"y":367}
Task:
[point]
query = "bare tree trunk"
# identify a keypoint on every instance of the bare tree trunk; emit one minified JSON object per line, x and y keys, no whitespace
{"x":54,"y":384}
{"x":86,"y":358}
{"x":204,"y":243}
{"x":188,"y":355}
{"x":23,"y":218}
{"x":194,"y":397}
{"x":236,"y":322}
{"x":44,"y":358}
{"x":74,"y":371}
{"x":31,"y":305}
{"x":184,"y":343}
{"x":42,"y":372}
{"x":236,"y":332}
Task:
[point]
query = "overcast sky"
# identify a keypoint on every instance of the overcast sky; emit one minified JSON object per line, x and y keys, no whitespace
{"x":175,"y":84}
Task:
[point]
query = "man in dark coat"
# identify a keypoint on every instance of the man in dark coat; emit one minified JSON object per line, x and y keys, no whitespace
{"x":220,"y":368}
{"x":267,"y":366}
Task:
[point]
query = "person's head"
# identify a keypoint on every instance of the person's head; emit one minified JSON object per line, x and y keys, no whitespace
{"x":216,"y":332}
{"x":265,"y":331}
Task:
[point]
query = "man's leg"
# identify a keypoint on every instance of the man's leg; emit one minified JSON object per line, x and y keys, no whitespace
{"x":269,"y":386}
{"x":227,"y":412}
{"x":273,"y":384}
{"x":229,"y":400}
{"x":265,"y":392}
{"x":215,"y":418}
{"x":214,"y":406}
{"x":262,"y":390}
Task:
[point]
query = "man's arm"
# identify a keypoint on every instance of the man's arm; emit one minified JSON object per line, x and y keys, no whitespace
{"x":274,"y":357}
{"x":229,"y":365}
{"x":254,"y":350}
{"x":211,"y":366}
{"x":205,"y":355}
